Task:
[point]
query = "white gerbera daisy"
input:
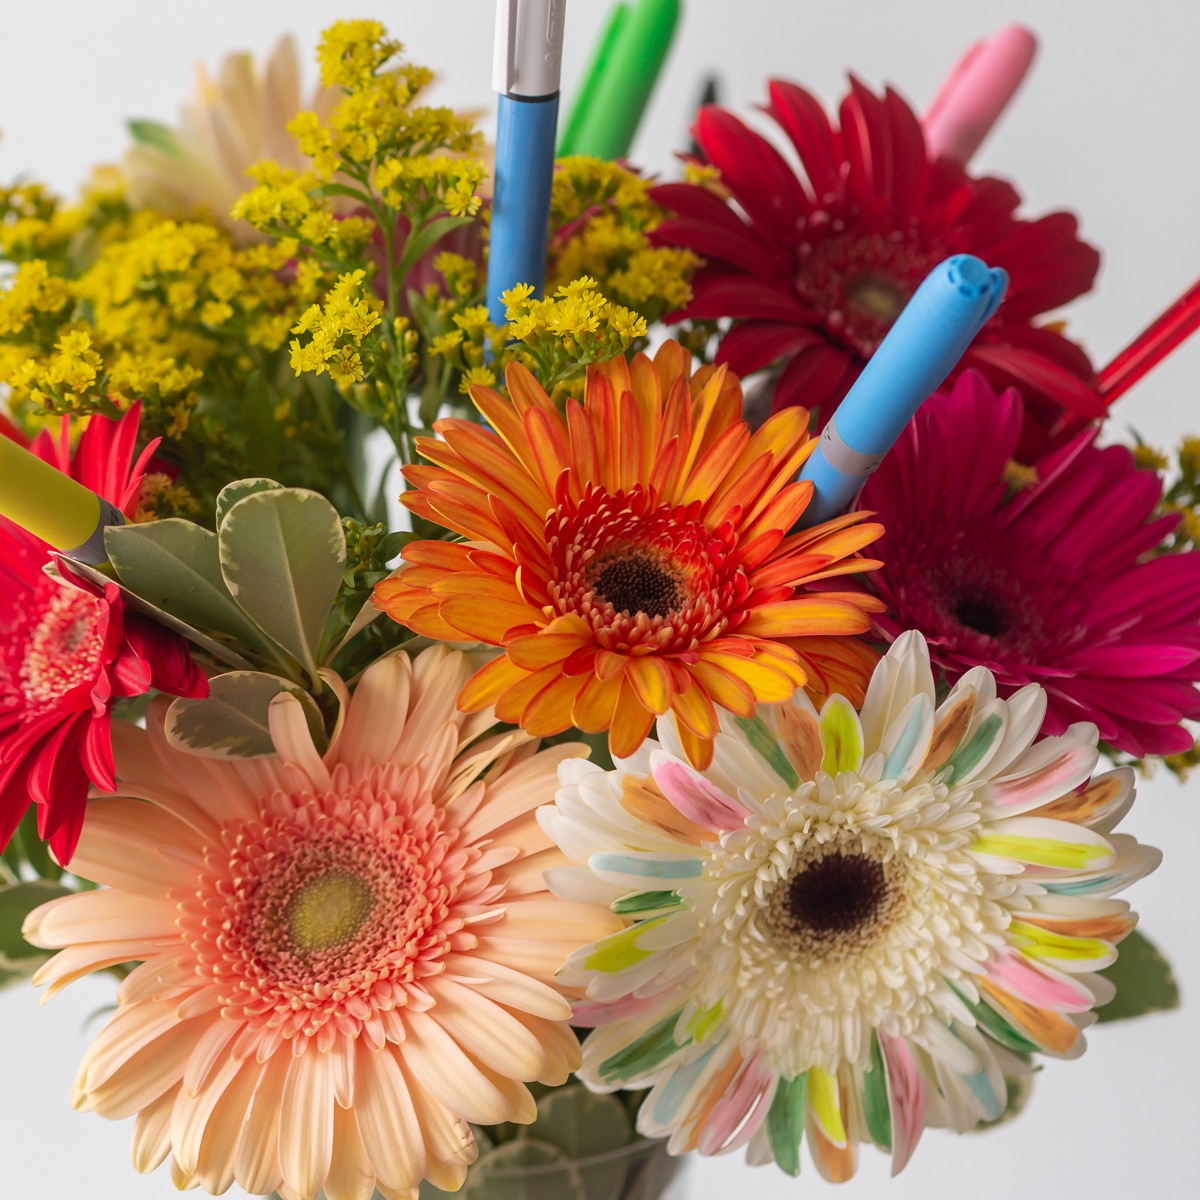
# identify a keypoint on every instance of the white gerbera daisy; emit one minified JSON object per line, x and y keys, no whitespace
{"x":859,"y":924}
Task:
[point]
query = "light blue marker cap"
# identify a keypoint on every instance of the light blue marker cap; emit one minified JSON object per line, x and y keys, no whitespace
{"x":923,"y":346}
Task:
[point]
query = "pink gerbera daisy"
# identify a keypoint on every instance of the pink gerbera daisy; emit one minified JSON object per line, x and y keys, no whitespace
{"x":68,"y":650}
{"x":1050,"y":585}
{"x":814,"y":267}
{"x":345,"y":957}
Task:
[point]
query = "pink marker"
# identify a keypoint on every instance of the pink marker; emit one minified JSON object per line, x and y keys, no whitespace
{"x":977,"y":92}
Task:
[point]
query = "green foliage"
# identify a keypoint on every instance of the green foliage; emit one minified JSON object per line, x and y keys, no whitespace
{"x":18,"y":959}
{"x":1144,"y":980}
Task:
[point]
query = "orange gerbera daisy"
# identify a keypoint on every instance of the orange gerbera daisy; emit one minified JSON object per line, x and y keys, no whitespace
{"x":631,"y":557}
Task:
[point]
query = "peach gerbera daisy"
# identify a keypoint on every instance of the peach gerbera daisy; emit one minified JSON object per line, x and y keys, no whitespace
{"x":345,"y":958}
{"x":632,"y":557}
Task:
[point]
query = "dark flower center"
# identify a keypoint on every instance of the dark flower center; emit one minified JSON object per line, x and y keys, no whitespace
{"x":981,"y":613}
{"x":837,"y":901}
{"x":637,"y":582}
{"x":877,"y":296}
{"x":837,"y":894}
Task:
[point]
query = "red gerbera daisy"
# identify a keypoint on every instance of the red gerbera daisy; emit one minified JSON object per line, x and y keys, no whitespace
{"x":68,"y":650}
{"x":1049,"y":585}
{"x":813,"y":268}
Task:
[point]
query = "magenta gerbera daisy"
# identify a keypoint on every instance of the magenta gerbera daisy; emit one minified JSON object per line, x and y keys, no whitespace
{"x":813,"y":267}
{"x":1050,"y":584}
{"x":69,"y":649}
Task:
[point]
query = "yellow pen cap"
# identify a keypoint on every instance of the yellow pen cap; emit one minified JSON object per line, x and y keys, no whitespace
{"x":40,"y":498}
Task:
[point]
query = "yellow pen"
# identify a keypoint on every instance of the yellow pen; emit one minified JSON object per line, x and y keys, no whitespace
{"x":52,"y":506}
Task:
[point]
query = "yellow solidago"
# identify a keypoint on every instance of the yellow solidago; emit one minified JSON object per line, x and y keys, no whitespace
{"x":604,"y":213}
{"x":337,"y":329}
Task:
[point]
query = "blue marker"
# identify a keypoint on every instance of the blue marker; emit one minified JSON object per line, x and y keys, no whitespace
{"x":527,"y":66}
{"x":928,"y":338}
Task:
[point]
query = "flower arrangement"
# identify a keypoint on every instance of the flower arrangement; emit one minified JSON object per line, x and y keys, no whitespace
{"x":605,"y":797}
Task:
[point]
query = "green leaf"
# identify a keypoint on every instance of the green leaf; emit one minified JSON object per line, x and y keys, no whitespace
{"x":581,"y":1124}
{"x":424,"y":238}
{"x":282,"y":553}
{"x":18,"y":959}
{"x":231,"y":493}
{"x":500,"y":1174}
{"x":34,"y":849}
{"x":232,"y":721}
{"x":155,"y":135}
{"x":1144,"y":979}
{"x":175,"y":567}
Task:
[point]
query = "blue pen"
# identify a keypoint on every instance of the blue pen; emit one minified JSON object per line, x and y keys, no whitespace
{"x":928,"y":338}
{"x":527,"y":66}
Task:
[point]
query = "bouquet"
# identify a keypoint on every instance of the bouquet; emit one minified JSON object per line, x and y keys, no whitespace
{"x":636,"y":793}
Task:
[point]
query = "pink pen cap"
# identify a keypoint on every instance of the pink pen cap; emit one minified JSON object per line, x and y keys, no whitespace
{"x":977,"y":92}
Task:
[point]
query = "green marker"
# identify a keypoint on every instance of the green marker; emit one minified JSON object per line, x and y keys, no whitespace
{"x":619,"y":79}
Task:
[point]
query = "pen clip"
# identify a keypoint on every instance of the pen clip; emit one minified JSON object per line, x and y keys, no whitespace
{"x":504,"y":48}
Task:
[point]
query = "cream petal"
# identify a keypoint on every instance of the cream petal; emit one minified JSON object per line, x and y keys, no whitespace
{"x":128,"y":1031}
{"x":508,"y":986}
{"x":351,"y":1175}
{"x":519,"y":791}
{"x":446,"y":1137}
{"x":157,"y":1067}
{"x":218,"y":1146}
{"x":161,"y":977}
{"x":377,"y":712}
{"x":75,"y":962}
{"x":119,"y":846}
{"x":189,"y":1119}
{"x":486,"y":1030}
{"x":256,"y":1159}
{"x":387,"y":1119}
{"x":211,"y":1047}
{"x":306,"y":1122}
{"x":100,"y":916}
{"x":152,"y":1133}
{"x":445,"y":1070}
{"x":293,"y":741}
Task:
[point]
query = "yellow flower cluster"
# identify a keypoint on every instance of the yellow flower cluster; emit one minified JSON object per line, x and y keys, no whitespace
{"x":155,"y":306}
{"x":604,"y":213}
{"x":287,"y":203}
{"x":338,"y":327}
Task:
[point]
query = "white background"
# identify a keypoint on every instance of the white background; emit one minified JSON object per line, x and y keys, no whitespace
{"x":1107,"y":126}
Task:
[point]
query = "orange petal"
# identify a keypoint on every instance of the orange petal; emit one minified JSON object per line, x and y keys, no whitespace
{"x":765,"y":680}
{"x":631,"y":722}
{"x":486,"y":686}
{"x":804,"y":615}
{"x":695,"y":711}
{"x":487,"y":619}
{"x":525,"y":390}
{"x":651,"y":682}
{"x":549,"y":712}
{"x":595,"y":704}
{"x":547,"y":646}
{"x":726,"y":688}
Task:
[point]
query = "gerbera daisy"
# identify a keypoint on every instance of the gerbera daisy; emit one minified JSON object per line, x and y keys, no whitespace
{"x":814,"y":268}
{"x":235,"y":121}
{"x":1049,"y":585}
{"x":345,"y":958}
{"x":69,"y":649}
{"x":631,"y":557}
{"x":851,"y":926}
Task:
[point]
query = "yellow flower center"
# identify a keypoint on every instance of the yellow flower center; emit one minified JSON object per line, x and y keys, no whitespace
{"x":329,"y":910}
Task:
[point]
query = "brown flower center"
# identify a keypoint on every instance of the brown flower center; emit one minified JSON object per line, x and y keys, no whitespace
{"x":981,"y":613}
{"x":635,"y":581}
{"x":838,"y":900}
{"x":642,"y":573}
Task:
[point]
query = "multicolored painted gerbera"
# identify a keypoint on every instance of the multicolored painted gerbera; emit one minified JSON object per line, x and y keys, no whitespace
{"x":851,"y":926}
{"x":1049,"y":585}
{"x":68,"y":650}
{"x":814,"y":267}
{"x":345,"y":958}
{"x":632,"y":557}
